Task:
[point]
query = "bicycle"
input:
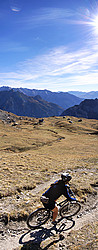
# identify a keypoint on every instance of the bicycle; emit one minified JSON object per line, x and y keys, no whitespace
{"x":41,"y":215}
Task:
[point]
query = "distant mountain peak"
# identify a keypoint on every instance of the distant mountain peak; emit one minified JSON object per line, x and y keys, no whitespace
{"x":38,"y":98}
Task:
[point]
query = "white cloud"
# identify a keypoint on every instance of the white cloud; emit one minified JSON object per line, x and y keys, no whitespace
{"x":15,"y":5}
{"x":60,"y":61}
{"x":58,"y":68}
{"x":46,"y":16}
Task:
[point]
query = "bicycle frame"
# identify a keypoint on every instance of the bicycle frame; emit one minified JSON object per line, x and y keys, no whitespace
{"x":62,"y":203}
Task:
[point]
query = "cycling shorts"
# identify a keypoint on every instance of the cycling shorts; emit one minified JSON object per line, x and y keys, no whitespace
{"x":50,"y":205}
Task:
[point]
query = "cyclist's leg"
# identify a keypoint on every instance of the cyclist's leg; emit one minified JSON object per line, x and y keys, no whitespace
{"x":52,"y":206}
{"x":55,"y":213}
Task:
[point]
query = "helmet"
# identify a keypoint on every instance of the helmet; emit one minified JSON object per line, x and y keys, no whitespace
{"x":66,"y":177}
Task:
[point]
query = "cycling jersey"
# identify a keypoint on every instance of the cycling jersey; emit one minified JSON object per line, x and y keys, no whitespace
{"x":57,"y":189}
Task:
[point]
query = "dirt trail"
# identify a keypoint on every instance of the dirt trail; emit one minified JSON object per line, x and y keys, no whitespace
{"x":15,"y":238}
{"x":16,"y":234}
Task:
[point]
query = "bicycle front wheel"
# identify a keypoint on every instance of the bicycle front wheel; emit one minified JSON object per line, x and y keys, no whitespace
{"x":38,"y":218}
{"x":70,"y":209}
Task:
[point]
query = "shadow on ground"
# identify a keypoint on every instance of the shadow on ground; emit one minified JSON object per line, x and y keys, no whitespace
{"x":45,"y":236}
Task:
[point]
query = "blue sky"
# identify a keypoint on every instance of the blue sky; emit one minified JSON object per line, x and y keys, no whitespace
{"x":49,"y":44}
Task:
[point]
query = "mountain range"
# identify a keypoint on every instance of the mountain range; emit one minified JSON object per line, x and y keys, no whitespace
{"x":23,"y":105}
{"x":63,"y":99}
{"x":87,"y":109}
{"x":44,"y":103}
{"x":85,"y":95}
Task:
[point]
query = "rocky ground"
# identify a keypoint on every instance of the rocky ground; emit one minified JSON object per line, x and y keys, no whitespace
{"x":16,"y":235}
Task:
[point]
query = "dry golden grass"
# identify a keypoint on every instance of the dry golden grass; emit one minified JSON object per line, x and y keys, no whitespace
{"x":30,"y":154}
{"x":86,"y":238}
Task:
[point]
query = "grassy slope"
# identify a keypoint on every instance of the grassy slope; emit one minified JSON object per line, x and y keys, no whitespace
{"x":30,"y":154}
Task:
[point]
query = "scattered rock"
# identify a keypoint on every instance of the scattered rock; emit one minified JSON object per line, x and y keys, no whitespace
{"x":15,"y":124}
{"x":41,"y":121}
{"x":80,"y":120}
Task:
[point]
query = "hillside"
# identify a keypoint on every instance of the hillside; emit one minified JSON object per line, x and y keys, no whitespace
{"x":20,"y":104}
{"x":63,"y":99}
{"x":87,"y":109}
{"x":33,"y":155}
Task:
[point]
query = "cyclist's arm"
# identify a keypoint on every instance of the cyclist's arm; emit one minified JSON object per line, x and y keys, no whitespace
{"x":68,"y":195}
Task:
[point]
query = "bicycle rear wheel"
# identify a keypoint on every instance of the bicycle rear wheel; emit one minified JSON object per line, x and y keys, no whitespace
{"x":70,"y":209}
{"x":38,"y":217}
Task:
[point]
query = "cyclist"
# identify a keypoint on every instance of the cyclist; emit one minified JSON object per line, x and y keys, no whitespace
{"x":56,"y":189}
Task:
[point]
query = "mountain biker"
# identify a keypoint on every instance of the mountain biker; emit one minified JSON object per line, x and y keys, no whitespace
{"x":56,"y":189}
